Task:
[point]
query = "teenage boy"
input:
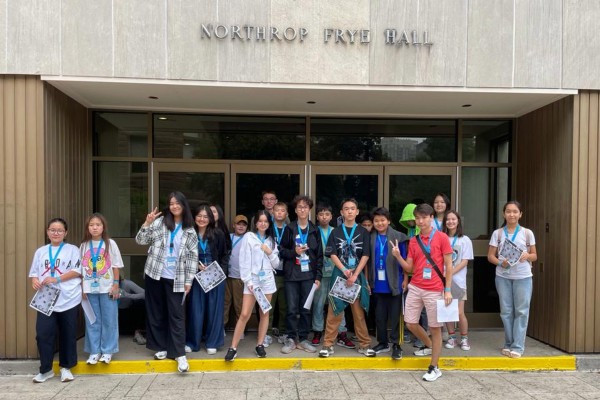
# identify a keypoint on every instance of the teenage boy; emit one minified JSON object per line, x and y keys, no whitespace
{"x":385,"y":279}
{"x":268,"y":200}
{"x":234,"y":286}
{"x":302,"y":255}
{"x":280,"y":215}
{"x":324,"y":217}
{"x":429,"y":255}
{"x":349,"y":247}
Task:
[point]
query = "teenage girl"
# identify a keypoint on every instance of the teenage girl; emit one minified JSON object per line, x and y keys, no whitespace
{"x":513,"y":283}
{"x":258,"y":259}
{"x":441,"y":204}
{"x":101,"y":261}
{"x":220,"y":223}
{"x":205,"y":310}
{"x":462,"y":252}
{"x":57,"y":264}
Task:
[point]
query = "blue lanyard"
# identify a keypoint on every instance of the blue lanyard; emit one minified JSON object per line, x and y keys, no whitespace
{"x":303,"y":237}
{"x":325,"y":236}
{"x":428,"y":246}
{"x":234,"y":242}
{"x":202,"y":246}
{"x":512,"y":239}
{"x":349,"y":237}
{"x":278,"y":233}
{"x":262,"y":240}
{"x":437,"y":224}
{"x":453,"y":240}
{"x":412,"y":232}
{"x":53,"y":259}
{"x":95,"y":256}
{"x":381,"y":248}
{"x":177,"y":228}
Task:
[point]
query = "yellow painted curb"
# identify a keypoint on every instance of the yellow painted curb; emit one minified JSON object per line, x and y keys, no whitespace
{"x":553,"y":363}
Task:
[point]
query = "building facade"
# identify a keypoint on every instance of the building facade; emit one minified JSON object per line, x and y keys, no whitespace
{"x":109,"y":105}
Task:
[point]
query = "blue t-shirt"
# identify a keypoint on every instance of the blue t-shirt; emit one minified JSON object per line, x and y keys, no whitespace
{"x":381,"y":252}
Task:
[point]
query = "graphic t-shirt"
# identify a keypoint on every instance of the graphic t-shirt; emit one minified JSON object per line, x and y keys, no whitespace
{"x":462,"y":249}
{"x":104,"y":265}
{"x":523,"y":239}
{"x":352,"y":250}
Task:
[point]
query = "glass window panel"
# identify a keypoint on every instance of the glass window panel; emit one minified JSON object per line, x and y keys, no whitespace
{"x":233,"y":138}
{"x":120,"y":134}
{"x":415,"y":189}
{"x":484,"y":297}
{"x":332,"y":189}
{"x":121,"y":194}
{"x":249,"y":188}
{"x":483,"y":193}
{"x":383,"y":140}
{"x":486,"y":141}
{"x":196,"y":186}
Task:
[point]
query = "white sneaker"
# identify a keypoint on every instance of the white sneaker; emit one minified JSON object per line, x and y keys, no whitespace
{"x":211,"y":351}
{"x":451,"y":343}
{"x":289,"y":346}
{"x":307,"y":346}
{"x":367,"y":351}
{"x":423,"y":351}
{"x":160,"y":355}
{"x":188,"y":349}
{"x":182,"y":364}
{"x":464,"y":344}
{"x":66,"y":375}
{"x":432,"y":374}
{"x":268,"y":340}
{"x":93,"y":360}
{"x":41,"y":378}
{"x":326,"y":351}
{"x":106,"y":358}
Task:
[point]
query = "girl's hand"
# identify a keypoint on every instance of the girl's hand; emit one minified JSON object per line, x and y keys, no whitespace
{"x":350,"y":281}
{"x":187,"y":288}
{"x":524,"y":256}
{"x":250,"y":287}
{"x":150,"y":218}
{"x":116,"y":292}
{"x":266,"y":249}
{"x":201,"y":267}
{"x":35,"y":283}
{"x":84,"y":295}
{"x":49,"y":281}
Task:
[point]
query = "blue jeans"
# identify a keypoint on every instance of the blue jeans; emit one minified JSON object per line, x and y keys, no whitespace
{"x":318,"y":317}
{"x":515,"y":298}
{"x":103,"y":335}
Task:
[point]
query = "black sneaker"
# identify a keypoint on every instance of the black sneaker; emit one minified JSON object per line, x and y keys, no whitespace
{"x":260,"y":351}
{"x":231,"y":354}
{"x":396,"y":352}
{"x":381,"y":348}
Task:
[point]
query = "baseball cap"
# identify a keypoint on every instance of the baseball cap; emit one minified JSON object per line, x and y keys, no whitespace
{"x":240,"y":218}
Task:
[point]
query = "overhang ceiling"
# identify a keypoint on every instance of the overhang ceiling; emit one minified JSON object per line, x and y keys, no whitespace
{"x":286,"y":99}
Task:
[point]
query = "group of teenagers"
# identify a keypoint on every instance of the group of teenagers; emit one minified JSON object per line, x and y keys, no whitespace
{"x":272,"y":254}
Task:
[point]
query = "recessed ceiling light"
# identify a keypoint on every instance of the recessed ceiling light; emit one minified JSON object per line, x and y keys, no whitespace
{"x":186,"y":144}
{"x":162,"y":118}
{"x":311,"y":102}
{"x":153,"y":97}
{"x":466,"y":105}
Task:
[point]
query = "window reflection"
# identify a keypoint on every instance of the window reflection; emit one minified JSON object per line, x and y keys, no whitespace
{"x":486,"y":141}
{"x":120,"y":134}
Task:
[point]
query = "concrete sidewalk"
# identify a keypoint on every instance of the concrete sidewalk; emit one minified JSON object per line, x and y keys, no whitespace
{"x":363,"y":385}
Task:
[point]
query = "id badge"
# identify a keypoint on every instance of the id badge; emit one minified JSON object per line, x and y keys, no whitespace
{"x":427,"y":273}
{"x":262,"y":275}
{"x":304,"y":264}
{"x":171,"y":262}
{"x":381,"y":274}
{"x":95,"y":286}
{"x":351,"y":261}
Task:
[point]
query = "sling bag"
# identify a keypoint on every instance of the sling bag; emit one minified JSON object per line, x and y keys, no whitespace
{"x":435,"y":267}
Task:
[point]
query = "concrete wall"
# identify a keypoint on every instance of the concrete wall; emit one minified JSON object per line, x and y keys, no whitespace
{"x":476,"y":43}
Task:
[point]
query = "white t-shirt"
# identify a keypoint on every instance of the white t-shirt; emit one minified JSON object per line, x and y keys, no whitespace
{"x":435,"y":222}
{"x":234,"y":259}
{"x":104,"y":265}
{"x":522,"y":240}
{"x":67,"y":260}
{"x":169,"y":273}
{"x":462,"y":250}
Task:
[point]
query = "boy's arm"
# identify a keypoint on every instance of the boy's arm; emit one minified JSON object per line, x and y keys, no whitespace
{"x":361,"y":265}
{"x":338,"y":263}
{"x":448,"y":268}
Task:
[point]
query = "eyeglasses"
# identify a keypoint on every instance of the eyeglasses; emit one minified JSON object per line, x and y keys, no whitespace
{"x":56,"y":231}
{"x":269,"y":198}
{"x":302,"y":208}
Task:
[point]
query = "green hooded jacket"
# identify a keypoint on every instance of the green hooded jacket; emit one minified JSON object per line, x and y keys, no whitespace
{"x":408,"y":215}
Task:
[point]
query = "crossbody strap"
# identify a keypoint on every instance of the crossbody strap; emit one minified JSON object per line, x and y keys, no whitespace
{"x":428,"y":256}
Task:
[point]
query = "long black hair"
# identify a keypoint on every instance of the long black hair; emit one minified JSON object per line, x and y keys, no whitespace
{"x":459,"y":227}
{"x":187,"y":221}
{"x":210,"y":228}
{"x":269,"y":232}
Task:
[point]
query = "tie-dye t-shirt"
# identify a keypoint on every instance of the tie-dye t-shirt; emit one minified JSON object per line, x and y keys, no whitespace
{"x":104,"y":266}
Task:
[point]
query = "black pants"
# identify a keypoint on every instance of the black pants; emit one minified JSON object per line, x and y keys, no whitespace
{"x":165,"y":318}
{"x":296,"y":293}
{"x":388,"y":309}
{"x":65,"y":322}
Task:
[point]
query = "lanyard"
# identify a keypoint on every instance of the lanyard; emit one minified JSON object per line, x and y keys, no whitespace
{"x":177,"y":228}
{"x":428,"y":246}
{"x":412,"y":232}
{"x":53,"y":259}
{"x":512,"y":239}
{"x":325,"y":236}
{"x":303,"y":237}
{"x":262,"y":240}
{"x":95,"y":256}
{"x":381,"y":248}
{"x":437,"y":224}
{"x":453,"y":240}
{"x":349,"y":237}
{"x":202,"y":244}
{"x":234,"y":242}
{"x":278,"y":233}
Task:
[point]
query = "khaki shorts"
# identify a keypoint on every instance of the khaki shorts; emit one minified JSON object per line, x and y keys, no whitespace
{"x":417,"y":299}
